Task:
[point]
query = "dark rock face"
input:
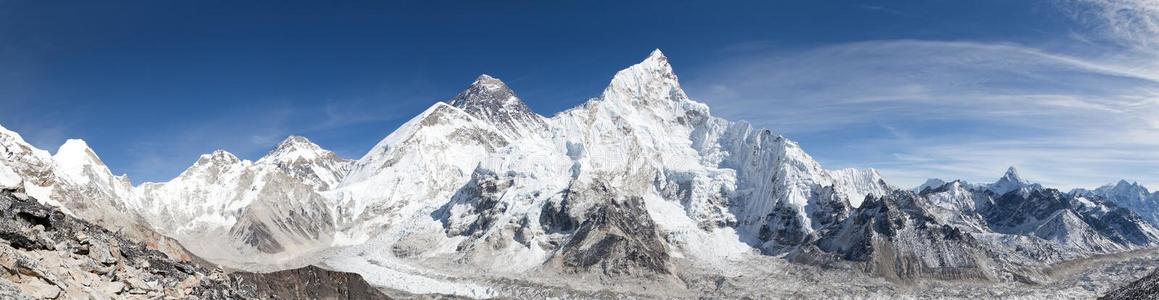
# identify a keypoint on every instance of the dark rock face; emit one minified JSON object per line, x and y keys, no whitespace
{"x":617,"y":238}
{"x":1012,"y":211}
{"x":1144,"y":288}
{"x":555,"y":216}
{"x":896,"y":237}
{"x":480,"y":197}
{"x":491,"y":100}
{"x":46,"y":254}
{"x":304,"y":283}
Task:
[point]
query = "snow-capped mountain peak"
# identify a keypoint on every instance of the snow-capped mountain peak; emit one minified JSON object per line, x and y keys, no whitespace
{"x":490,"y":83}
{"x":1009,"y":182}
{"x":489,"y":99}
{"x":651,"y":79}
{"x":295,"y":148}
{"x":1012,"y":175}
{"x":219,"y":156}
{"x":302,"y":159}
{"x":487,"y":91}
{"x":78,"y":162}
{"x":1124,"y":187}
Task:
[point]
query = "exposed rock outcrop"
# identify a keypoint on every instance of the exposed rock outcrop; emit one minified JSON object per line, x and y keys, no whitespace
{"x":1144,"y":288}
{"x":46,"y":254}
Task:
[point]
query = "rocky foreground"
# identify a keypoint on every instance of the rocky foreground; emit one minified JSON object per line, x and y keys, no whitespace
{"x":1144,"y":288}
{"x":46,"y":254}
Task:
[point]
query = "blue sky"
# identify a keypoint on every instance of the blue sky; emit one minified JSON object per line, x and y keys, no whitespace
{"x":1068,"y":91}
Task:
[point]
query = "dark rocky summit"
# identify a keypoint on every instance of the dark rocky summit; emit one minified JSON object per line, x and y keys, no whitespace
{"x":304,"y":283}
{"x":47,"y":254}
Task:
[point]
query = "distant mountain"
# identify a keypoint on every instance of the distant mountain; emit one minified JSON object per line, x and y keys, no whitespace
{"x":1129,"y":195}
{"x":233,"y":210}
{"x":958,"y":231}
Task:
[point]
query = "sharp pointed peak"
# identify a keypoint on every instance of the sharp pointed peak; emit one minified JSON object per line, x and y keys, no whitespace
{"x":1011,"y":172}
{"x":73,"y":145}
{"x":652,"y":78}
{"x":294,"y":141}
{"x":488,"y":83}
{"x":220,"y":155}
{"x":657,"y":54}
{"x":76,"y":152}
{"x":487,"y":78}
{"x":657,"y":62}
{"x":488,"y":95}
{"x":1012,"y":175}
{"x":1011,"y":181}
{"x":295,"y":147}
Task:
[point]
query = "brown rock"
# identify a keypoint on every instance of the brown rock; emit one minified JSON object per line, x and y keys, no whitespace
{"x":40,"y":289}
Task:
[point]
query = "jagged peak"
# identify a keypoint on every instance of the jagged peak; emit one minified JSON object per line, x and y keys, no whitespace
{"x":489,"y":83}
{"x":649,"y":80}
{"x":296,"y":147}
{"x":1123,"y":186}
{"x":1010,"y":181}
{"x":490,"y":100}
{"x":487,"y":93}
{"x":656,"y":65}
{"x":657,"y":54}
{"x":1125,"y":183}
{"x":1012,"y":174}
{"x":219,"y":156}
{"x":296,"y":142}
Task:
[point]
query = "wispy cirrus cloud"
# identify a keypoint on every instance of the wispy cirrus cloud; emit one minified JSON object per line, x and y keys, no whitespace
{"x":1067,"y":116}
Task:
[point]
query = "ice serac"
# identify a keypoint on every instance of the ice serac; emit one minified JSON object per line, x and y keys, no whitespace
{"x":491,"y":100}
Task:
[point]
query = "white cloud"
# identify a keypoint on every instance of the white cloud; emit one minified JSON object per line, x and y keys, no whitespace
{"x":957,"y":109}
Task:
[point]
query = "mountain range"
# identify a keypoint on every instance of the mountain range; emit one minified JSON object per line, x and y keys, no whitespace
{"x":636,"y":184}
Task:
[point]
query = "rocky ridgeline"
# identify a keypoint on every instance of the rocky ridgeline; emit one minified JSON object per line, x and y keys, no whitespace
{"x":1144,"y":288}
{"x":46,"y":254}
